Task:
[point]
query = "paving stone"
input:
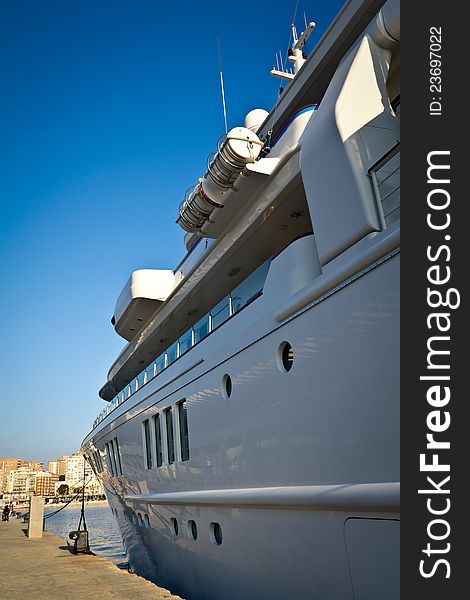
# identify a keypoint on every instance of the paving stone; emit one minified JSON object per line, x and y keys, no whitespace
{"x":44,"y":569}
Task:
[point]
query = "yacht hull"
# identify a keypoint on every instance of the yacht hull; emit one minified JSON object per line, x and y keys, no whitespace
{"x":299,"y":469}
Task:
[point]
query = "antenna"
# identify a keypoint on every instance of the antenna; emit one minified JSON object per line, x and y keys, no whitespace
{"x":294,"y":54}
{"x":222,"y":85}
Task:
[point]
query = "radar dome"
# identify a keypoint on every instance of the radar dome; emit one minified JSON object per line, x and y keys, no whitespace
{"x":255,"y":118}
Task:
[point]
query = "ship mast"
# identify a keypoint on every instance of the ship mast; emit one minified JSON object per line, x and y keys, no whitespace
{"x":295,"y":54}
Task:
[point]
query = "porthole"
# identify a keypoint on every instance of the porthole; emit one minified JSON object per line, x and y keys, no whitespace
{"x":215,"y":533}
{"x":139,"y":520}
{"x":226,"y":386}
{"x":192,"y":529}
{"x":174,"y":526}
{"x":285,"y":357}
{"x":146,"y":521}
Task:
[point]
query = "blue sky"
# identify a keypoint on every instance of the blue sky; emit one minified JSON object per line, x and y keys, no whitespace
{"x":108,"y":110}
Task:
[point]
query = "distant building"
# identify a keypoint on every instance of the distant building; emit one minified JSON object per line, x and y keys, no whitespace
{"x":45,"y":483}
{"x":76,"y":467}
{"x":7,"y":465}
{"x":19,"y":479}
{"x":25,"y":482}
{"x":21,"y":483}
{"x":32,"y":464}
{"x":74,"y":470}
{"x":53,"y":467}
{"x":62,"y":464}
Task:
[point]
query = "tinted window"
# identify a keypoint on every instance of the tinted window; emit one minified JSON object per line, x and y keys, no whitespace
{"x":112,"y":466}
{"x":172,"y":353}
{"x":113,"y":457}
{"x":158,"y":440}
{"x":250,"y":288}
{"x":118,"y":457}
{"x":184,"y":435}
{"x":148,"y":448}
{"x":220,"y":312}
{"x":201,"y":329}
{"x":150,"y":371}
{"x":170,"y":436}
{"x":160,"y":363}
{"x":186,"y":341}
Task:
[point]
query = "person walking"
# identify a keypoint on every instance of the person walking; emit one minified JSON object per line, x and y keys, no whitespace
{"x":6,"y":513}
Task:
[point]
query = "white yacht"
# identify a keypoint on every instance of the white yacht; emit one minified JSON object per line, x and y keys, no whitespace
{"x":250,"y":443}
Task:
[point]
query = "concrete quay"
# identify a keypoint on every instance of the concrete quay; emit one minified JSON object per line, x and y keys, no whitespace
{"x":45,"y":568}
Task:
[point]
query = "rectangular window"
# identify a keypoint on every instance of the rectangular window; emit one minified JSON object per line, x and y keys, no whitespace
{"x":158,"y":440}
{"x":184,"y":434}
{"x":113,"y":457}
{"x":221,"y":312}
{"x":201,"y":329}
{"x":186,"y":341}
{"x":172,"y":353}
{"x":170,"y":438}
{"x":250,"y":288}
{"x":118,"y":457}
{"x":147,"y":444}
{"x":160,"y":363}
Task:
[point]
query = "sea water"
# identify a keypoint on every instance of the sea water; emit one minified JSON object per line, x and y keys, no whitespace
{"x":104,"y":536}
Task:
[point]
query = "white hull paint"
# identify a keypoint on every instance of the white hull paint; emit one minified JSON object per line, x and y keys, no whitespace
{"x":295,"y":455}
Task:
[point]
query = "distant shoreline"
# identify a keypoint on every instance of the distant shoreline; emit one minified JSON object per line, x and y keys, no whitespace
{"x":77,"y":504}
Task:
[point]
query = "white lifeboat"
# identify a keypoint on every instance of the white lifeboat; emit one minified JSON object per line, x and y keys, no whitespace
{"x":240,"y":147}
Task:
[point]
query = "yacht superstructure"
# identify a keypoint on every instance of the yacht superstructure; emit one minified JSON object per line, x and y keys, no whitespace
{"x":249,"y":447}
